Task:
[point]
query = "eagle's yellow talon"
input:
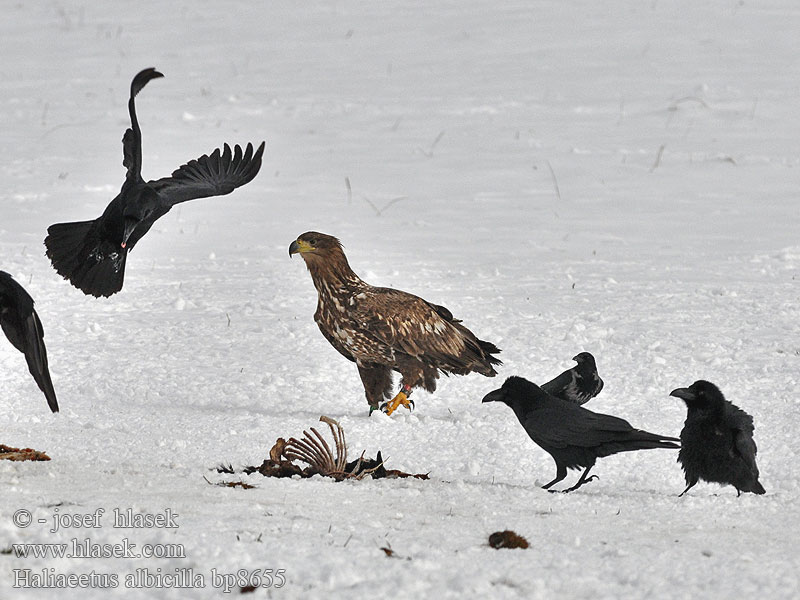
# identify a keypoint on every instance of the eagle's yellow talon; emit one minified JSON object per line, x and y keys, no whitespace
{"x":392,"y":405}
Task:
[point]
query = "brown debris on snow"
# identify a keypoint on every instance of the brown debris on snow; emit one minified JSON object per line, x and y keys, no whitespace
{"x":507,"y":539}
{"x":231,"y":484}
{"x":17,"y":454}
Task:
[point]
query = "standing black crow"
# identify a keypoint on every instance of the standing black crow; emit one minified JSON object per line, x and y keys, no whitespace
{"x":574,"y":436}
{"x":579,"y":384}
{"x":717,"y":440}
{"x":23,"y":329}
{"x":91,"y":254}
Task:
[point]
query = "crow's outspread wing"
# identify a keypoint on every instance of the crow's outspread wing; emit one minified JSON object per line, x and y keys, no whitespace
{"x":214,"y":175}
{"x":132,"y":140}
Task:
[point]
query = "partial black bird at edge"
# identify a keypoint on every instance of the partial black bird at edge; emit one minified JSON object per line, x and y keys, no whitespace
{"x":24,"y":330}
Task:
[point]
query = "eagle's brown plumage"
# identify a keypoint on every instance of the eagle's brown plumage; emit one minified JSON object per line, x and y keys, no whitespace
{"x":382,"y":329}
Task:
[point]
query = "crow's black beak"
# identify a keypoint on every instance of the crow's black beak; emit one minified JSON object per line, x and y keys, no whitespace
{"x":683,"y":394}
{"x":495,"y":396}
{"x":130,"y":226}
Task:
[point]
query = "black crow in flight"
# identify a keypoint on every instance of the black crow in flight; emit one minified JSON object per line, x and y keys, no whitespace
{"x":574,"y":436}
{"x":717,"y":440}
{"x":91,"y":254}
{"x":23,"y":329}
{"x":579,"y":384}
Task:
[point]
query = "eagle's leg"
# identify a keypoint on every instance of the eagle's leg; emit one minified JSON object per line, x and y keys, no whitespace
{"x":401,"y":398}
{"x":377,"y":380}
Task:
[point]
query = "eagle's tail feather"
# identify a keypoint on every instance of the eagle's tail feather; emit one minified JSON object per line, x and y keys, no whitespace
{"x":488,"y":349}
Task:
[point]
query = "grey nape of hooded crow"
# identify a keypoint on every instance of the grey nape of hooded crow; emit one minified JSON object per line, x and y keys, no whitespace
{"x":92,"y":254}
{"x":574,"y":436}
{"x":717,"y":440}
{"x":24,"y":330}
{"x":579,"y":384}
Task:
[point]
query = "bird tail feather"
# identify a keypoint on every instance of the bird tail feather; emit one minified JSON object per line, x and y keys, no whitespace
{"x":638,"y":440}
{"x":90,"y":263}
{"x":489,"y":349}
{"x":758,"y":488}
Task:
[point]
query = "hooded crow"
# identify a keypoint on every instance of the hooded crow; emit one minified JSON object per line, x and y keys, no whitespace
{"x":579,"y":384}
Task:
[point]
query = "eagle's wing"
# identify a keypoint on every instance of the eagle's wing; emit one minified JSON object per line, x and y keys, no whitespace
{"x":409,"y":324}
{"x":214,"y":175}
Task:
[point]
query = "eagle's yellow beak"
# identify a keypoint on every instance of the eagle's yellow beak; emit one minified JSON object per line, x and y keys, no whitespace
{"x":300,"y":246}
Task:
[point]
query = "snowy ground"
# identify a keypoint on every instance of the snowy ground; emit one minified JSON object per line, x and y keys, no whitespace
{"x":615,"y":177}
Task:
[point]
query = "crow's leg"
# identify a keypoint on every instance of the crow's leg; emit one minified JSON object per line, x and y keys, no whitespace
{"x":561,"y":472}
{"x":688,"y":487}
{"x":582,"y":480}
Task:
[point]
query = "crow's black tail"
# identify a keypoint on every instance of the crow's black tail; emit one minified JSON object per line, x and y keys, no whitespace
{"x":637,"y":439}
{"x":92,"y":264}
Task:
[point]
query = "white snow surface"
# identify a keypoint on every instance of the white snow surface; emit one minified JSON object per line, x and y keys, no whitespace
{"x":613,"y":177}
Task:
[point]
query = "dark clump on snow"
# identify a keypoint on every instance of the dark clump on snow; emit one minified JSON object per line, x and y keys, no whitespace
{"x":320,"y":459}
{"x":507,"y":539}
{"x":357,"y":469}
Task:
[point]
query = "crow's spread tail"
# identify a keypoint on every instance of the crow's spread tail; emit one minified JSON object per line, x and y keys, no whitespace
{"x":92,"y":264}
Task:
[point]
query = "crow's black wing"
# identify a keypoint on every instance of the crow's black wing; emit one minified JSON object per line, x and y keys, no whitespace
{"x":214,"y":175}
{"x":132,"y":140}
{"x":746,"y":448}
{"x":565,"y":424}
{"x":742,"y":425}
{"x":24,"y":330}
{"x":560,"y":386}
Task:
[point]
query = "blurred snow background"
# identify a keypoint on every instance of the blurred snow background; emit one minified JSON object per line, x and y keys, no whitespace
{"x":613,"y":177}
